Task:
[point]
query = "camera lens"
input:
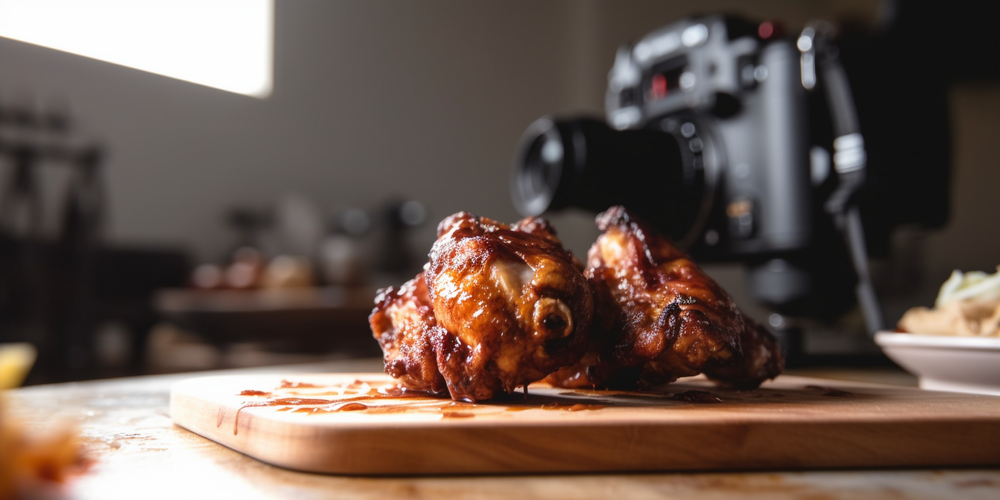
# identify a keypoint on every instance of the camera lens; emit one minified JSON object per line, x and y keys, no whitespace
{"x":546,"y":157}
{"x":537,"y":175}
{"x":549,"y":163}
{"x":586,"y":164}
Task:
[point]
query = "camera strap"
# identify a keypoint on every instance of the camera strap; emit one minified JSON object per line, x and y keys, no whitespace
{"x":820,"y":63}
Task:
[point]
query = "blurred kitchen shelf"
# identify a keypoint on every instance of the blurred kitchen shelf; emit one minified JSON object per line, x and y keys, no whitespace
{"x":266,"y":299}
{"x":306,"y":319}
{"x":172,"y":350}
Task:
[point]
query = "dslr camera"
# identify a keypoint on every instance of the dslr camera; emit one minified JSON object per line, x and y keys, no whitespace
{"x":716,"y":132}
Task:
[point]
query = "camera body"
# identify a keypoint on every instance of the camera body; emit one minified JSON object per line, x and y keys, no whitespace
{"x":735,"y":103}
{"x":710,"y":136}
{"x":746,"y":146}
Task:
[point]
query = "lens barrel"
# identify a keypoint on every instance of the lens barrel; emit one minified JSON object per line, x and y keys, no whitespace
{"x":584,"y":163}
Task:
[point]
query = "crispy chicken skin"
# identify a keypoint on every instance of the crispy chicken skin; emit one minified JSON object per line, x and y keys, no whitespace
{"x":404,"y":325}
{"x":496,"y":307}
{"x":761,"y":360}
{"x":659,"y":316}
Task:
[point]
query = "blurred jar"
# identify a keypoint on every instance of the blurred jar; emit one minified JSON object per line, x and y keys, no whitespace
{"x":288,"y":271}
{"x":342,"y":255}
{"x":246,"y":270}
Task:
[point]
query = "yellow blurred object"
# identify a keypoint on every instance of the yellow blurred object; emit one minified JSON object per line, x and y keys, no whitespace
{"x":15,"y":363}
{"x":28,"y":463}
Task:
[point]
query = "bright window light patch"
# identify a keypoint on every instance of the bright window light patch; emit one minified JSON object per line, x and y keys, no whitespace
{"x":225,"y":44}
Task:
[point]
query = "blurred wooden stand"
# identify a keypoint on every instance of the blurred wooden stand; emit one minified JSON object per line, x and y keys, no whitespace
{"x":282,"y":324}
{"x":59,"y":280}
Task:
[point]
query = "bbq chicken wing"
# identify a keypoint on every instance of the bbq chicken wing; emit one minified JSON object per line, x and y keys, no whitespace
{"x":761,"y":360}
{"x":659,"y":316}
{"x":496,"y":307}
{"x":406,"y":329}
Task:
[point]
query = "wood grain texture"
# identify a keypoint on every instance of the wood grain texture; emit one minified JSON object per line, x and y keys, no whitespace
{"x":139,"y":453}
{"x":790,"y":423}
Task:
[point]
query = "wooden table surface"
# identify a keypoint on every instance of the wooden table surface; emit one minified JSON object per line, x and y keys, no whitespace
{"x":139,"y":453}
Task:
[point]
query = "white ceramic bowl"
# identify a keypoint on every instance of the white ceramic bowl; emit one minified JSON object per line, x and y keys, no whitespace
{"x":947,"y":363}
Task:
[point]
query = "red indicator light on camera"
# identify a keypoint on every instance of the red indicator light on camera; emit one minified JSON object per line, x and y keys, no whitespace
{"x":658,"y":88}
{"x":765,"y":30}
{"x":770,"y":30}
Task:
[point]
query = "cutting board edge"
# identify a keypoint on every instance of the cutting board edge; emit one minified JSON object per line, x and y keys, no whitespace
{"x":359,"y":457}
{"x":357,"y":460}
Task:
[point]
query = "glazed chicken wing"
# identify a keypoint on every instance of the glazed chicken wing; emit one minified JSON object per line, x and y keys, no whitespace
{"x":405,"y":327}
{"x":659,"y":317}
{"x":761,"y":360}
{"x":503,"y":307}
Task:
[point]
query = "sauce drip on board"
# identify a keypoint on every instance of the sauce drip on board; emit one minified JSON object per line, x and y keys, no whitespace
{"x":381,"y":397}
{"x":458,"y":414}
{"x":830,"y":391}
{"x":288,"y":384}
{"x":694,"y":396}
{"x":573,"y":407}
{"x":317,"y":405}
{"x":252,"y":392}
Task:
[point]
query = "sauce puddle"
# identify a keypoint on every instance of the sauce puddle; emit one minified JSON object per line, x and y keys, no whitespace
{"x":251,"y":392}
{"x":301,"y":398}
{"x":830,"y":392}
{"x":694,"y":396}
{"x":317,"y":405}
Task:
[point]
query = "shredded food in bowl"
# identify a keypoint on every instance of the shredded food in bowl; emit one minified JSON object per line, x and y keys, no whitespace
{"x":968,"y":304}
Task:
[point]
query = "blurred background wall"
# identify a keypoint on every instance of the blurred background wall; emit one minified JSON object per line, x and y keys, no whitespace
{"x":420,"y":100}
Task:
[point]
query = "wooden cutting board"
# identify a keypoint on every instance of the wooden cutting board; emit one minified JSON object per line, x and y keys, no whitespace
{"x":357,"y":424}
